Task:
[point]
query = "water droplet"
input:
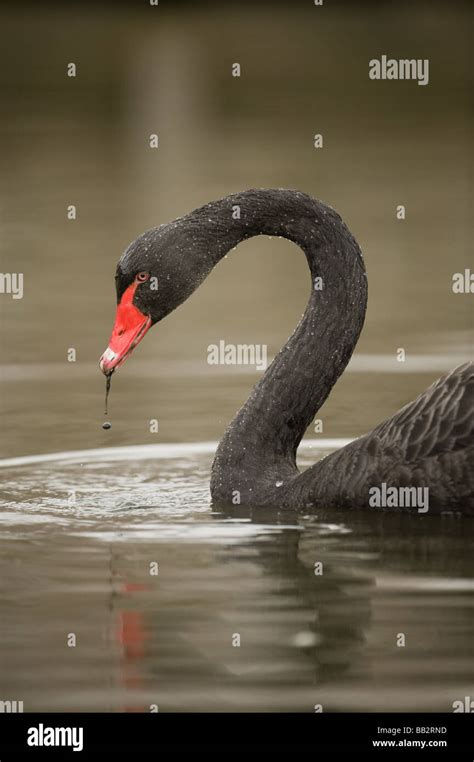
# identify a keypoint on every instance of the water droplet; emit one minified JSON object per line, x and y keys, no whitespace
{"x":106,"y":425}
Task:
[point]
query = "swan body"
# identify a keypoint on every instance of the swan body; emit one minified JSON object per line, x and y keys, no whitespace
{"x":425,"y":448}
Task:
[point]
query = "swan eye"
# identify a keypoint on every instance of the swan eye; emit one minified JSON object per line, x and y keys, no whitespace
{"x":142,"y":277}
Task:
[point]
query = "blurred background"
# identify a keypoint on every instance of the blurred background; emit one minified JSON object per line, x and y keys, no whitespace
{"x":167,"y":70}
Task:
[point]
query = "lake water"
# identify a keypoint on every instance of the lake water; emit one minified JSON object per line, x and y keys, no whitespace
{"x":121,"y":548}
{"x":80,"y":531}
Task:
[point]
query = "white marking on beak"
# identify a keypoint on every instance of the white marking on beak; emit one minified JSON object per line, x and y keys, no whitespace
{"x":109,"y":355}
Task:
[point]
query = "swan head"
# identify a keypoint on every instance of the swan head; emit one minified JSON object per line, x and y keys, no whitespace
{"x":156,"y":273}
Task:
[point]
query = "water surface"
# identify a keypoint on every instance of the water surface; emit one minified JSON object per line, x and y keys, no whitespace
{"x":83,"y":536}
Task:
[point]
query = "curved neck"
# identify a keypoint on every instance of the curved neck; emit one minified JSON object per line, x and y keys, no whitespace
{"x":261,"y":442}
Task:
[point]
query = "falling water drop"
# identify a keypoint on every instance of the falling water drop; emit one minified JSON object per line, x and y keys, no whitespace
{"x":108,"y":378}
{"x":107,"y":390}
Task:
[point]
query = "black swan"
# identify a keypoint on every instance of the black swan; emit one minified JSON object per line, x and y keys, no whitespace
{"x":427,"y":445}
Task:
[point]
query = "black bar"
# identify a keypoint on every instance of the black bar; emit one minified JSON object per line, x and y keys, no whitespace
{"x":448,"y":736}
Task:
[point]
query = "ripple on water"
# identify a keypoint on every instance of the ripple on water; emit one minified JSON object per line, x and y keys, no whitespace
{"x":165,"y":481}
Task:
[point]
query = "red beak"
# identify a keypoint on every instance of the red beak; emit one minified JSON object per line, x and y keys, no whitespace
{"x":129,"y":329}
